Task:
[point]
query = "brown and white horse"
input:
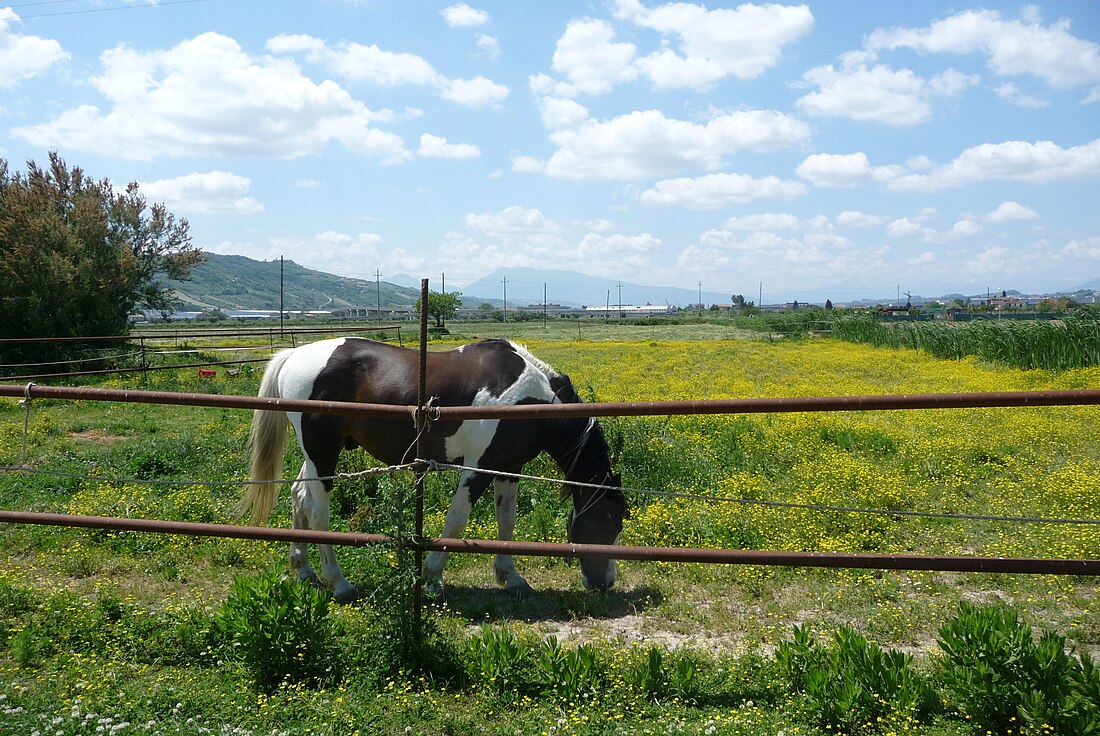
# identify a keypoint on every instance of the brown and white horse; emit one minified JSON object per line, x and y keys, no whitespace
{"x":484,"y":373}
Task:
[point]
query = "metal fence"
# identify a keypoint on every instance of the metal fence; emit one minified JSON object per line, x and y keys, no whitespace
{"x":420,"y":543}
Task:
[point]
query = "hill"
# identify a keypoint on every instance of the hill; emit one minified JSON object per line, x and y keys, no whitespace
{"x":237,"y":282}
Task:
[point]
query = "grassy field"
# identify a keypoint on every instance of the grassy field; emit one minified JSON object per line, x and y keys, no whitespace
{"x":101,"y":629}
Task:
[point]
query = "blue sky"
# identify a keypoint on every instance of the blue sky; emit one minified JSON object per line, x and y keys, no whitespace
{"x":827,"y":150}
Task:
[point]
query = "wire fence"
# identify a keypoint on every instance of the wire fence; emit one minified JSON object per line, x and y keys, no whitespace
{"x":159,"y":349}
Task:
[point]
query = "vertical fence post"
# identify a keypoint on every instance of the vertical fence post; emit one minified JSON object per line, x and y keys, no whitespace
{"x":421,"y":428}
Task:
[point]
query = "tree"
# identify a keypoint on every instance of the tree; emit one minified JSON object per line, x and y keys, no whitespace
{"x":442,"y":305}
{"x":828,"y":304}
{"x":77,"y":258}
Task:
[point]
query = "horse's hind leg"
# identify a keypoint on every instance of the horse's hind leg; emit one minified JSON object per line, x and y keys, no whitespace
{"x":311,"y":511}
{"x":299,"y":551}
{"x":504,"y":492}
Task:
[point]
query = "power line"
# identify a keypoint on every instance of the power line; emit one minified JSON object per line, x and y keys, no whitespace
{"x":102,"y":10}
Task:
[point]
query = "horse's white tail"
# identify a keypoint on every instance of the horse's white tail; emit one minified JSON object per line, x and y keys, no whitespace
{"x":268,"y":442}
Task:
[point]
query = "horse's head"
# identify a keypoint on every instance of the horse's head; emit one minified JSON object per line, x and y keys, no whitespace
{"x":597,"y":518}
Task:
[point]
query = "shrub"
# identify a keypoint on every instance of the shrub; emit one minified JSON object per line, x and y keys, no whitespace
{"x":281,"y":629}
{"x":852,"y":684}
{"x":1004,"y":679}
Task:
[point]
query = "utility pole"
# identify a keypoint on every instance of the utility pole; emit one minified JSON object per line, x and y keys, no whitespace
{"x":620,"y":306}
{"x":544,"y":305}
{"x":700,"y":296}
{"x":505,"y":298}
{"x":443,"y":319}
{"x":378,"y":295}
{"x":760,"y":296}
{"x":281,"y":295}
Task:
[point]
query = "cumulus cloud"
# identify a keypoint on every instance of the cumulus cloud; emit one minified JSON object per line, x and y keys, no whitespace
{"x":207,"y":96}
{"x":877,"y":93}
{"x":741,"y":42}
{"x":763,"y":221}
{"x":611,"y":254}
{"x":433,"y":146}
{"x":214,"y":192}
{"x":717,"y":190}
{"x":842,"y":170}
{"x":644,"y":144}
{"x":591,"y":59}
{"x":24,"y":56}
{"x":461,"y":14}
{"x":370,"y":64}
{"x":1009,"y":211}
{"x":476,"y":92}
{"x":1012,"y":160}
{"x":855,"y":218}
{"x":1013,"y":47}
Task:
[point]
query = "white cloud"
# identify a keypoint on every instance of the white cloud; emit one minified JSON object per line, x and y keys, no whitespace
{"x":612,"y":253}
{"x":1009,"y":211}
{"x":206,"y":96}
{"x":854,"y":218}
{"x":371,"y":64}
{"x":590,"y":58}
{"x":877,"y":93}
{"x":215,"y":192}
{"x":1014,"y":47}
{"x":462,"y":14}
{"x":512,"y":221}
{"x":742,"y":42}
{"x":477,"y":92}
{"x":433,"y":146}
{"x":842,"y":170}
{"x":904,"y":227}
{"x":966,"y":228}
{"x":646,"y":143}
{"x":1086,"y":248}
{"x":1013,"y":160}
{"x":488,"y":45}
{"x":23,"y":56}
{"x":717,"y":190}
{"x":561,"y":112}
{"x":1009,"y":92}
{"x":770,"y":221}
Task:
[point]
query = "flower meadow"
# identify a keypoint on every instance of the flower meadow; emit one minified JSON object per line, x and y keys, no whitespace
{"x":106,"y":632}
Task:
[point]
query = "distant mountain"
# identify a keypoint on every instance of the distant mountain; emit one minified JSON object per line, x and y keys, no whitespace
{"x":525,"y":286}
{"x":237,"y":282}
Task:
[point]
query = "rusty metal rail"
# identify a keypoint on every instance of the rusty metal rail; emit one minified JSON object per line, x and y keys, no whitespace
{"x":595,"y":409}
{"x":942,"y":563}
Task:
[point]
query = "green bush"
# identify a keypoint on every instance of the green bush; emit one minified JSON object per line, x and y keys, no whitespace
{"x":280,"y":629}
{"x":851,"y":684}
{"x":1004,"y":679}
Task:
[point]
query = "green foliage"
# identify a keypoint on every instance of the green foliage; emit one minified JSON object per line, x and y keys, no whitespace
{"x":496,"y":658}
{"x":441,"y":306}
{"x":68,"y":240}
{"x":571,"y":674}
{"x":852,"y":684}
{"x":280,"y":629}
{"x":1054,"y":345}
{"x":1002,"y":677}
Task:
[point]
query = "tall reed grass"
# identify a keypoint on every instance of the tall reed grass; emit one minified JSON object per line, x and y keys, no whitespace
{"x":1054,"y":345}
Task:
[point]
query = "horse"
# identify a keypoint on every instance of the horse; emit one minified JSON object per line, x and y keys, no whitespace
{"x":487,"y":373}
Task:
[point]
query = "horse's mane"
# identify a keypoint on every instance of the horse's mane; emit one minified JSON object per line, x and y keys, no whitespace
{"x":539,"y":363}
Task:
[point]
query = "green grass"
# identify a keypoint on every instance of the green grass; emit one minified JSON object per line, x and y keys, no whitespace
{"x":120,"y":625}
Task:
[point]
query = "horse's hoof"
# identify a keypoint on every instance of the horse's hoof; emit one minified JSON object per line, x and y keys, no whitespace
{"x":433,"y":593}
{"x":344,"y":597}
{"x":521,"y":589}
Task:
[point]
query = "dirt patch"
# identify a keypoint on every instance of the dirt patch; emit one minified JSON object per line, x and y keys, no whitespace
{"x":98,"y":436}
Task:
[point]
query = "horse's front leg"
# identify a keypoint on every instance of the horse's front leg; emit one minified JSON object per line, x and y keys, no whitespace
{"x":470,"y":486}
{"x":504,"y":492}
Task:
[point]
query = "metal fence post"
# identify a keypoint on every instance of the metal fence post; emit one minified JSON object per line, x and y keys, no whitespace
{"x":421,"y":428}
